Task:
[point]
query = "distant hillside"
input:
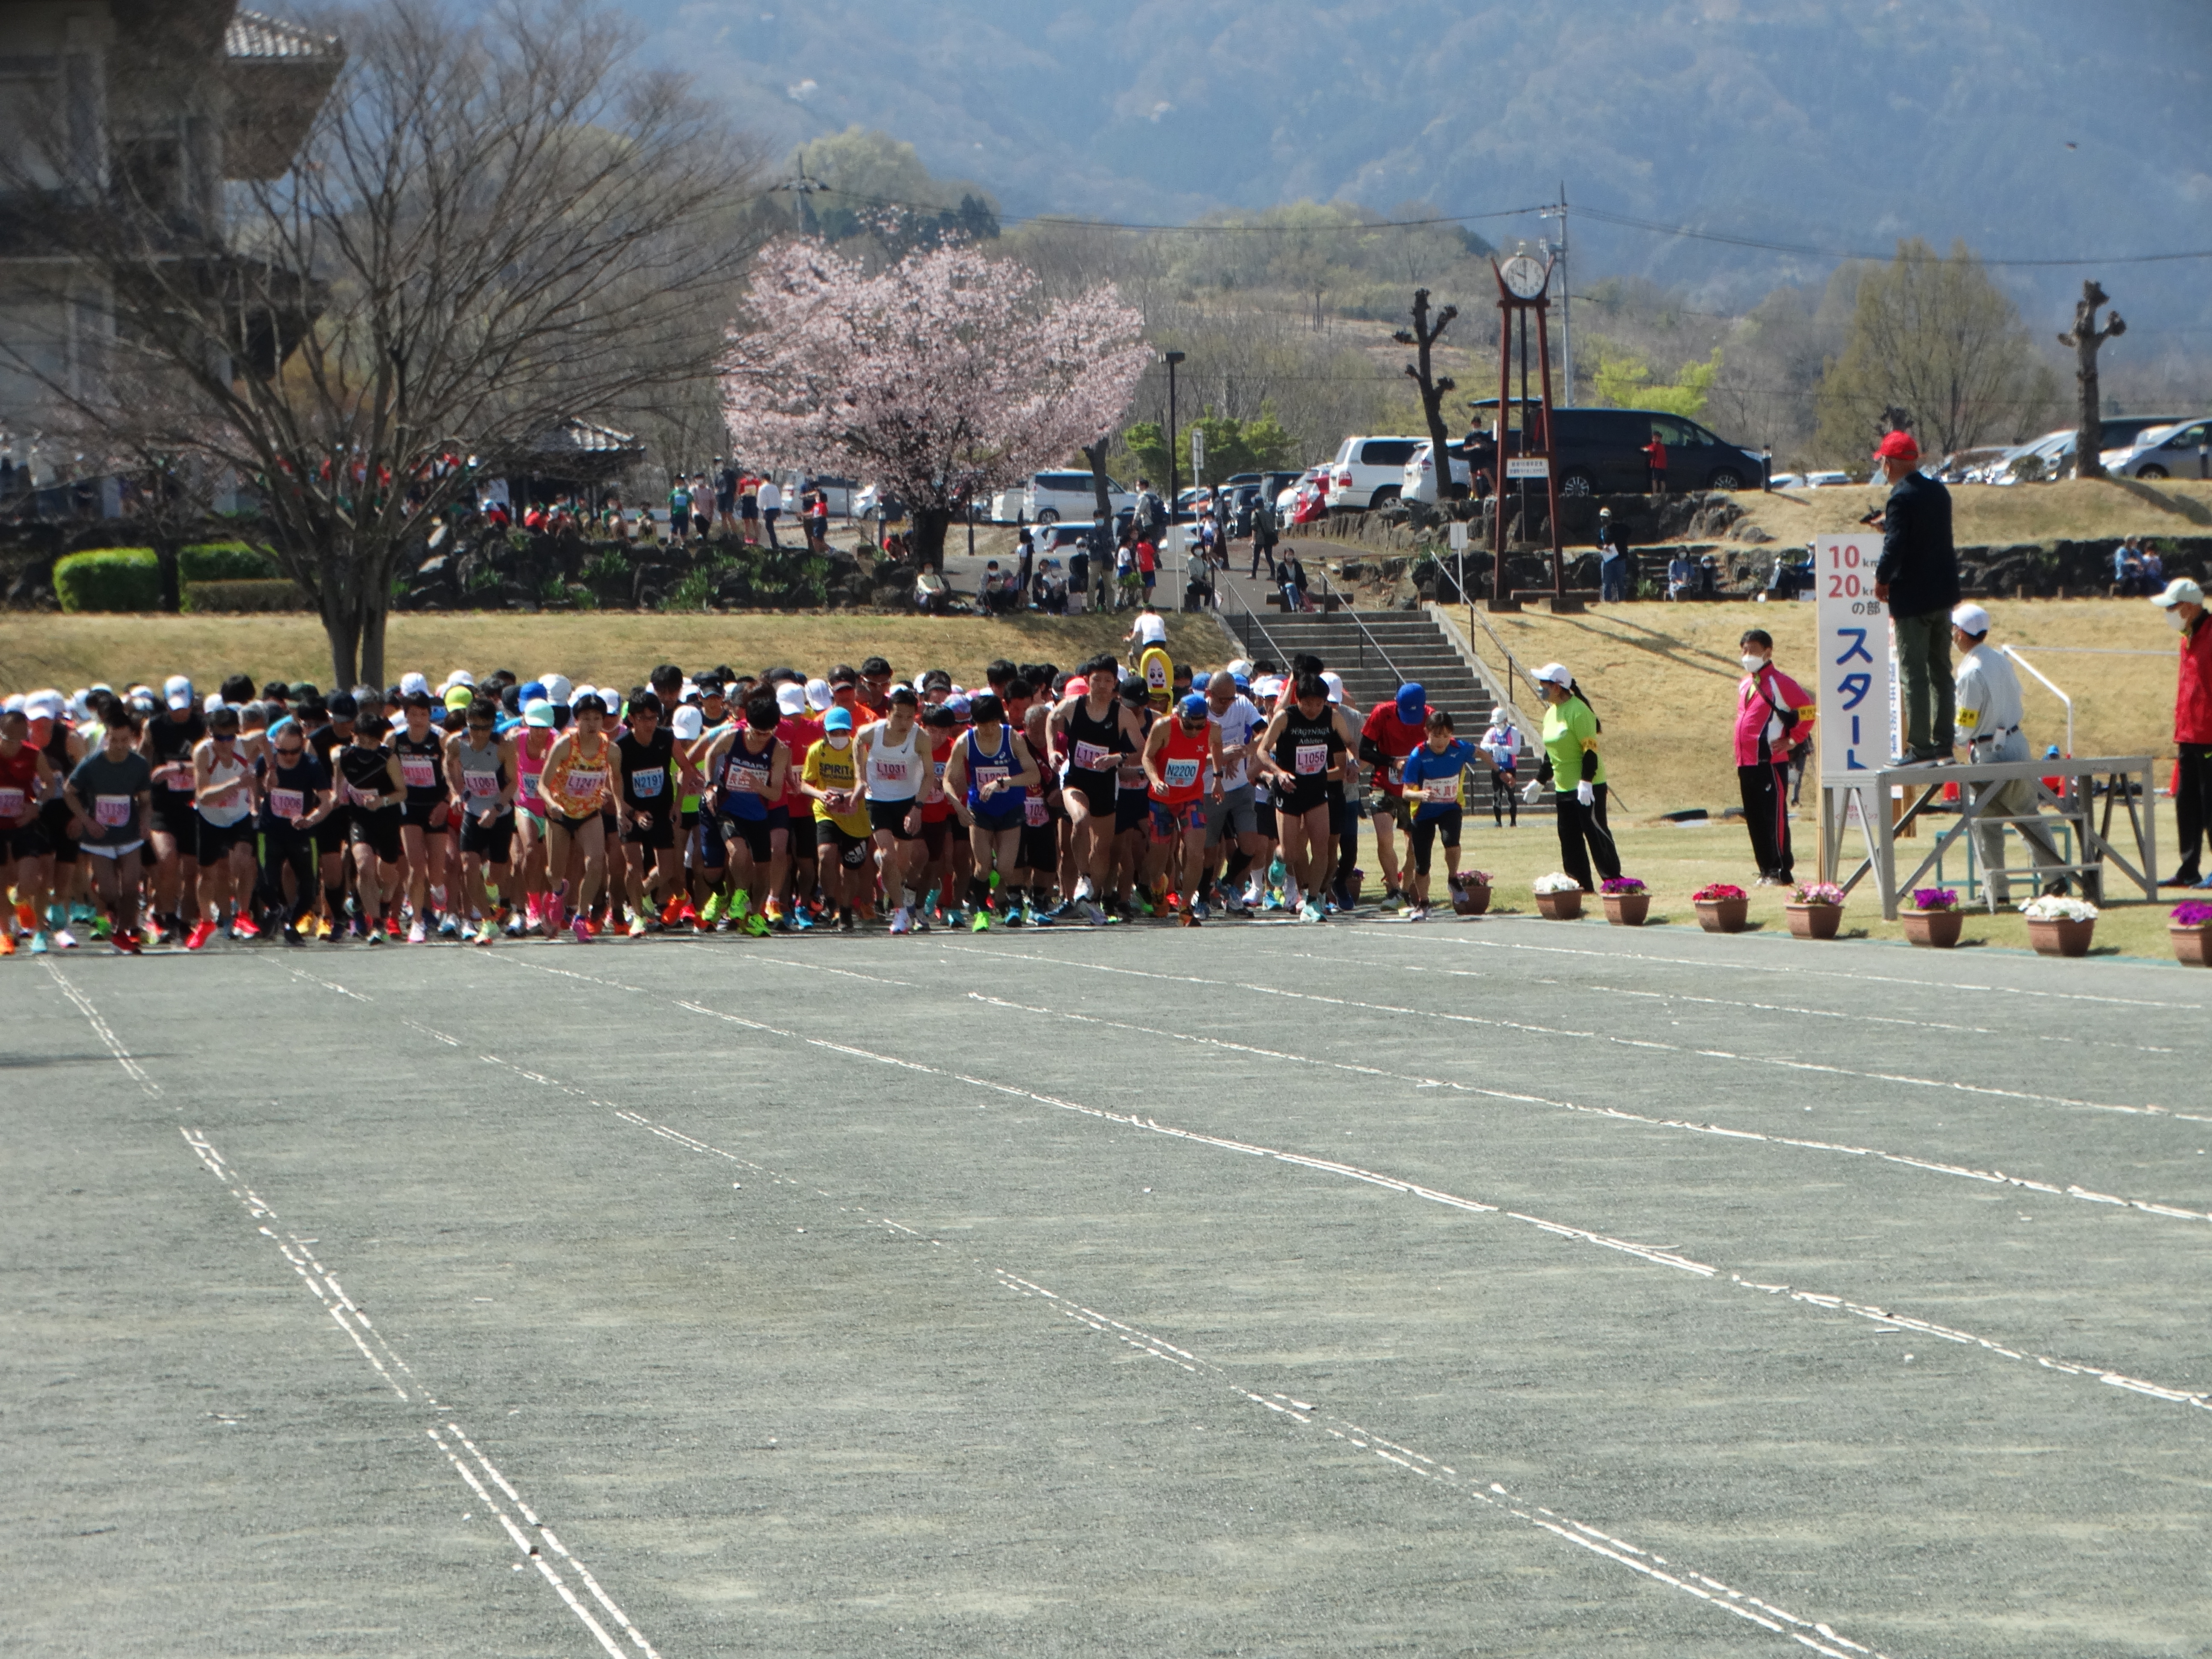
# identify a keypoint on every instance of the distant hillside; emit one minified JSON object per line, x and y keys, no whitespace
{"x":1829,"y":123}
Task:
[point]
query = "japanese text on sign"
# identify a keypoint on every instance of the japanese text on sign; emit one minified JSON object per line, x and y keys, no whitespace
{"x":1851,"y":633}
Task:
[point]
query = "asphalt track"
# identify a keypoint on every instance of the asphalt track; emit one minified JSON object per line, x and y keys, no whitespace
{"x":1506,"y":1287}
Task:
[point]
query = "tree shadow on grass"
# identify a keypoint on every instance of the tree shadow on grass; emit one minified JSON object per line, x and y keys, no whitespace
{"x":1666,"y":647}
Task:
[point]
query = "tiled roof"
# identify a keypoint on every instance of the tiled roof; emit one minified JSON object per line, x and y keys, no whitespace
{"x":253,"y":35}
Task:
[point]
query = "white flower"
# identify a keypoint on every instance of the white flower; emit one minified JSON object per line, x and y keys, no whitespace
{"x":2054,"y":908}
{"x":1558,"y":882}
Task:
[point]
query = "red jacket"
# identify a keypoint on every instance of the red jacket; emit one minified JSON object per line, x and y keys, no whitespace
{"x":2192,"y":688}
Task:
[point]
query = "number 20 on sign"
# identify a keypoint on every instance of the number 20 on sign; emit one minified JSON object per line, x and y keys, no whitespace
{"x":1852,"y":629}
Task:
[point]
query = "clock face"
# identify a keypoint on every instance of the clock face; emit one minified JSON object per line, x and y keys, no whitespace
{"x":1523,"y":276}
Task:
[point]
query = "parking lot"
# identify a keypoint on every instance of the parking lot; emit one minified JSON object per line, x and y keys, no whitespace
{"x":1502,"y":1287}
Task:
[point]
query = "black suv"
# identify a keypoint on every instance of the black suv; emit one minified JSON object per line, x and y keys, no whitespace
{"x":1601,"y":452}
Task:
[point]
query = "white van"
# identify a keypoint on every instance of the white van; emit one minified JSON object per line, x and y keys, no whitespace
{"x":1052,"y":496}
{"x":1420,"y":479}
{"x":1367,"y":472}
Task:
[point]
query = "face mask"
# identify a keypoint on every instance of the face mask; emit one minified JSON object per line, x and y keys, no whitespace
{"x":2175,"y":620}
{"x":1751,"y":664}
{"x":839,"y":740}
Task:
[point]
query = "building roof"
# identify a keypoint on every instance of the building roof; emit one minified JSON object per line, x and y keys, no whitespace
{"x":254,"y":35}
{"x":279,"y":76}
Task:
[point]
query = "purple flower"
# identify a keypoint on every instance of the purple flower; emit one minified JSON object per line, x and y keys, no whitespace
{"x":2195,"y":914}
{"x":1622,"y":884}
{"x":1934,"y":898}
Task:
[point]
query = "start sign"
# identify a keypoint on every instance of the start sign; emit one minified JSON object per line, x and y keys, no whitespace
{"x":1858,"y":679}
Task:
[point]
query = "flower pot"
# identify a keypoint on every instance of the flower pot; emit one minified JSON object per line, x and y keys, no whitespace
{"x":1813,"y":921}
{"x":1936,"y":929}
{"x":2060,"y":938}
{"x":1470,"y":901}
{"x":2189,"y":945}
{"x":1627,"y":909}
{"x":1559,"y":906}
{"x":1723,"y":915}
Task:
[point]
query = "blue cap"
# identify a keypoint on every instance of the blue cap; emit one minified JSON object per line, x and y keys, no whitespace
{"x":1193,"y":707}
{"x":532,"y":692}
{"x":837,"y":719}
{"x":1413,"y":700}
{"x":1200,"y":680}
{"x":1242,"y":682}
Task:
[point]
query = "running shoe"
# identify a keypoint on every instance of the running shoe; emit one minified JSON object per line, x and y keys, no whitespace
{"x":672,"y":911}
{"x":391,"y":925}
{"x":516,"y":927}
{"x":1029,"y":914}
{"x":581,"y":927}
{"x":7,"y":941}
{"x":1417,"y":913}
{"x":1013,"y":916}
{"x":323,"y":928}
{"x":241,"y":927}
{"x":64,"y":940}
{"x":1096,"y":915}
{"x":449,"y":926}
{"x":202,"y":931}
{"x":800,"y":921}
{"x":38,"y":945}
{"x":290,"y":936}
{"x":636,"y":927}
{"x":1143,"y":905}
{"x":901,"y":922}
{"x":127,"y":944}
{"x":1186,"y":918}
{"x":921,"y":921}
{"x":376,"y":936}
{"x":710,"y":912}
{"x":1202,"y":911}
{"x":415,"y":933}
{"x":757,"y":925}
{"x":1309,"y":911}
{"x":103,"y":926}
{"x":847,"y":921}
{"x":26,"y":918}
{"x":980,"y":924}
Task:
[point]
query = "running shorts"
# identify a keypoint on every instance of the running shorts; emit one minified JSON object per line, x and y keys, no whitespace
{"x":1097,"y":789}
{"x":378,"y":829}
{"x":851,"y":850}
{"x":1234,"y":813}
{"x":211,"y":842}
{"x":492,"y":842}
{"x":891,"y":815}
{"x":752,"y":834}
{"x":1426,"y":831}
{"x":1169,"y":821}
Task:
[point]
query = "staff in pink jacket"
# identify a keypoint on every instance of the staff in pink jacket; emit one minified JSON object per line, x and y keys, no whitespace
{"x":1773,"y":716}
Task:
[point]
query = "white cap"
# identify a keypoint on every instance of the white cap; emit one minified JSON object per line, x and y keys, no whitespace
{"x":1554,"y":673}
{"x":14,"y":705}
{"x":177,"y":691}
{"x":212,"y":702}
{"x":556,"y":688}
{"x":1971,"y":619}
{"x":791,"y":699}
{"x":43,"y":706}
{"x":818,"y":694}
{"x":582,"y":692}
{"x":1335,"y":684}
{"x":411,"y":682}
{"x":1242,"y":665}
{"x":1272,"y":686}
{"x":459,"y":677}
{"x":690,"y":720}
{"x":2179,"y":591}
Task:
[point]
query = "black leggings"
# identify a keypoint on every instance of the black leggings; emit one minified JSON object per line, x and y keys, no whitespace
{"x":1581,"y":826}
{"x":2192,"y":803}
{"x":296,"y":849}
{"x":1425,"y":831}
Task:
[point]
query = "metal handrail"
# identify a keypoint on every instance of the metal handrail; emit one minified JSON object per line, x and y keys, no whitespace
{"x":1253,"y":618}
{"x":2049,"y":687}
{"x":1351,"y":610}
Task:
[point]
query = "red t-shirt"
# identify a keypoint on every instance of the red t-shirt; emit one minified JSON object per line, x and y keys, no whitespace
{"x":799,"y":736}
{"x":1148,"y":558}
{"x":1396,"y":739}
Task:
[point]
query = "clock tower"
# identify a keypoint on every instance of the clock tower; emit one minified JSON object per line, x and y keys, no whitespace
{"x":1526,"y":453}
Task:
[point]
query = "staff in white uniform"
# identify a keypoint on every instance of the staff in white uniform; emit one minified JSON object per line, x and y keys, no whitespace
{"x":1988,"y":721}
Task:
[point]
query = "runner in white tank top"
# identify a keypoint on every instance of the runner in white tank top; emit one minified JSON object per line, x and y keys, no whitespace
{"x":892,"y":760}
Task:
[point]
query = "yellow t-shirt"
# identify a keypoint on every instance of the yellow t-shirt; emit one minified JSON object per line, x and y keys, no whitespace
{"x":835,"y":769}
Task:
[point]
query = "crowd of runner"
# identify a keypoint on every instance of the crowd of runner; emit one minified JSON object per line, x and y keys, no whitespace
{"x":719,"y":801}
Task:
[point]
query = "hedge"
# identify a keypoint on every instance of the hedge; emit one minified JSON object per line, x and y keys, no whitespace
{"x":224,"y":561}
{"x":204,"y":598}
{"x":109,"y":579}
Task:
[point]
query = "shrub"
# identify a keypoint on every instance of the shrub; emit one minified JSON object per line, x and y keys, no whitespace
{"x":234,"y":597}
{"x":224,"y":561}
{"x":109,"y":579}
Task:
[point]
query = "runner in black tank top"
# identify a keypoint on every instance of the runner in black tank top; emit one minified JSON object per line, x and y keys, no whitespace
{"x":173,"y":835}
{"x":1301,"y":748}
{"x":646,"y":756}
{"x":421,"y":751}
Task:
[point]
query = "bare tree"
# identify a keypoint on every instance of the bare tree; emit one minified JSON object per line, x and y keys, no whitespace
{"x":2086,"y":337}
{"x":1423,"y":337}
{"x":491,"y":228}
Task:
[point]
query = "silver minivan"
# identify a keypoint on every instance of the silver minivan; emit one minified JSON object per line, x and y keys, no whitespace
{"x":2166,"y":451}
{"x":1052,"y":496}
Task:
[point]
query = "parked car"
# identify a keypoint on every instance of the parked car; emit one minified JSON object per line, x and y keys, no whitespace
{"x":2162,"y":452}
{"x":1052,"y":496}
{"x":1419,"y":481}
{"x":1367,"y":472}
{"x":1826,"y":480}
{"x":842,"y":492}
{"x":2051,"y":456}
{"x":1786,"y":481}
{"x":875,"y":496}
{"x":1599,"y":452}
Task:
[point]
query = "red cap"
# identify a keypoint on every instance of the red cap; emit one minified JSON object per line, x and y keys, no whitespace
{"x":1897,"y":445}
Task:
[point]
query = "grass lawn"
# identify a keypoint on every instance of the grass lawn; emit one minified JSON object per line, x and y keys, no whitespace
{"x":1663,"y":677}
{"x":1675,"y":862}
{"x":2071,"y":509}
{"x":39,"y":649}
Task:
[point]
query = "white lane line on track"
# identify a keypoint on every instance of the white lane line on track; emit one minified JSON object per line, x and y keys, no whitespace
{"x":2199,"y":1399}
{"x":324,"y":1285}
{"x":84,"y":1007}
{"x":1817,"y":1635}
{"x":1528,"y":1028}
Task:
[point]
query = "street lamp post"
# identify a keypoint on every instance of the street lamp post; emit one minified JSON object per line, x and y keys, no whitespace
{"x":1171,"y":358}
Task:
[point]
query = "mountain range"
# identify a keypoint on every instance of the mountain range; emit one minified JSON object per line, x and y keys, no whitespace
{"x":2029,"y":129}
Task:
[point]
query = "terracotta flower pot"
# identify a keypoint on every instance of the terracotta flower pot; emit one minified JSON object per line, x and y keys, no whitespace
{"x":1470,"y":901}
{"x":2060,"y":938}
{"x":1723,"y":915}
{"x":1813,"y":921}
{"x":1626,"y":909}
{"x":1937,"y":929}
{"x":2189,"y":945}
{"x":1559,"y":906}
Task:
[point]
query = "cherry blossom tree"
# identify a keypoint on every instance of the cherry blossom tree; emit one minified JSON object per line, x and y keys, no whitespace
{"x":945,"y":377}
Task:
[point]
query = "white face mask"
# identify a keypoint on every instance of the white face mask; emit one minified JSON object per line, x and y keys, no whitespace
{"x":839,"y":740}
{"x":1751,"y":664}
{"x":2175,"y":620}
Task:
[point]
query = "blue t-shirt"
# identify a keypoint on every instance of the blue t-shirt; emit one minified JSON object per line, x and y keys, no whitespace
{"x":1432,"y":779}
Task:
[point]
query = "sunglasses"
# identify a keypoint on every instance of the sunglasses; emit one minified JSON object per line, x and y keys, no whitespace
{"x":224,"y":737}
{"x":291,"y":753}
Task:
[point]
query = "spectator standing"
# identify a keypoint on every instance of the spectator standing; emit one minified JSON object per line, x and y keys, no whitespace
{"x":1655,"y":464}
{"x":817,"y":514}
{"x":1151,"y":517}
{"x":1572,"y":767}
{"x":1502,"y":743}
{"x":1148,"y":566}
{"x":1612,"y":565}
{"x":726,"y":493}
{"x":770,"y":498}
{"x":679,"y":511}
{"x":1027,"y":562}
{"x":1265,"y":533}
{"x":1771,"y":710}
{"x":1079,"y":571}
{"x":1990,"y":711}
{"x":749,"y":509}
{"x":1918,"y":577}
{"x":2182,"y":601}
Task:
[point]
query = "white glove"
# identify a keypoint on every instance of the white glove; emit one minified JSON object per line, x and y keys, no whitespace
{"x":1584,"y":793}
{"x":1532,"y":794}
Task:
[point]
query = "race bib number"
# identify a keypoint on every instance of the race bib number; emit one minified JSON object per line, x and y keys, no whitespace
{"x":891,"y":771}
{"x":176,"y":776}
{"x":748,"y":780}
{"x":420,"y":771}
{"x":986,"y":776}
{"x":11,"y":803}
{"x":1089,"y":757}
{"x":1181,"y":774}
{"x":111,"y":811}
{"x":360,"y":797}
{"x":1442,"y":790}
{"x":1309,"y":758}
{"x":286,"y":803}
{"x":1034,"y":812}
{"x":585,"y":786}
{"x":934,"y":789}
{"x":477,"y":784}
{"x":649,"y":783}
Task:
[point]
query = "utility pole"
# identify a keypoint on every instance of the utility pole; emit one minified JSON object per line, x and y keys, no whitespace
{"x":1171,"y":358}
{"x":1558,"y":251}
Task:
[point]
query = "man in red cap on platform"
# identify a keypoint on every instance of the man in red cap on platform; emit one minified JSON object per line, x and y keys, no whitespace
{"x":1918,"y":579}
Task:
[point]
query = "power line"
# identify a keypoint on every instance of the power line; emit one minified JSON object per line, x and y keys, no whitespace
{"x":1811,"y":251}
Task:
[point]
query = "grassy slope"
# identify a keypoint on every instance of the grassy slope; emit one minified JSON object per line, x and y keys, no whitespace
{"x":37,"y":649}
{"x":1983,"y":514}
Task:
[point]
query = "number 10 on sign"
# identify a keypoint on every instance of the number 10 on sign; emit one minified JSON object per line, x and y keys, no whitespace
{"x":1857,"y":693}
